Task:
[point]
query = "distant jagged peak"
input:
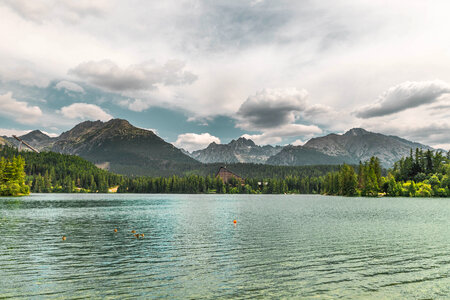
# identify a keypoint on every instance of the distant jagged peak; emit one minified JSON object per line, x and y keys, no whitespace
{"x":357,"y":132}
{"x":211,"y":147}
{"x":118,"y":123}
{"x":35,"y":133}
{"x":243,"y":141}
{"x":87,"y":124}
{"x":239,"y":142}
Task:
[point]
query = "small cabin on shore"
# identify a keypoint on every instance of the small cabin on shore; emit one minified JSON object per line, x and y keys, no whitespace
{"x":226,"y":175}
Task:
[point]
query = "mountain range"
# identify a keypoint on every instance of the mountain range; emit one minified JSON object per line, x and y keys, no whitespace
{"x":116,"y":145}
{"x":123,"y":148}
{"x":241,"y":150}
{"x":351,"y":147}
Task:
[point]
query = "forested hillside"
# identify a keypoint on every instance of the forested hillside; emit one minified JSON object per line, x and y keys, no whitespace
{"x":193,"y":184}
{"x":422,"y":174}
{"x":248,"y":170}
{"x":53,"y":172}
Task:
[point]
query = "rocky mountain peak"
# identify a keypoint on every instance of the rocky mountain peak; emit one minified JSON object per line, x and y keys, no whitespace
{"x":242,"y":150}
{"x":35,"y":135}
{"x":87,"y":124}
{"x":35,"y":138}
{"x":37,"y":132}
{"x":356,"y":132}
{"x":243,"y":141}
{"x":118,"y":123}
{"x":358,"y":144}
{"x":126,"y":148}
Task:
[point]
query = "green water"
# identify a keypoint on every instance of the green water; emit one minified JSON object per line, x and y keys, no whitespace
{"x":281,"y":247}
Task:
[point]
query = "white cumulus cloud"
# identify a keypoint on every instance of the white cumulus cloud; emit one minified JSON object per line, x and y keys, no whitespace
{"x":276,"y":135}
{"x":10,"y":132}
{"x":20,"y":111}
{"x":69,"y":86}
{"x":50,"y":134}
{"x":263,"y":139}
{"x":135,"y":104}
{"x":193,"y":141}
{"x":442,"y":146}
{"x":85,"y":111}
{"x":298,"y":143}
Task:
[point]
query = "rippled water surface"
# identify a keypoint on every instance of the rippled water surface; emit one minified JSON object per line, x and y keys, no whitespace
{"x":282,"y":246}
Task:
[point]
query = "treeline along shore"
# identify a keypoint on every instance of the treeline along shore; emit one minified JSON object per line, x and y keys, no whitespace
{"x":12,"y":177}
{"x":422,"y":174}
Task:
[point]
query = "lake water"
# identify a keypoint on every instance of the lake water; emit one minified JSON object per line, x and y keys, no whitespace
{"x":294,"y":246}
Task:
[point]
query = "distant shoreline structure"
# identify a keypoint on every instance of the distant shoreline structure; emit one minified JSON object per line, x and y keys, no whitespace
{"x":226,"y":175}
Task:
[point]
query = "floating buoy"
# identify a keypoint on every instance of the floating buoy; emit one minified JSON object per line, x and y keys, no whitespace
{"x":234,"y":221}
{"x":136,"y":235}
{"x":115,"y":229}
{"x":141,"y":235}
{"x":133,"y":231}
{"x":63,"y":237}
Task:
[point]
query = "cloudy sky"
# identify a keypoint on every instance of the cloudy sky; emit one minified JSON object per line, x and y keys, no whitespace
{"x":278,"y":72}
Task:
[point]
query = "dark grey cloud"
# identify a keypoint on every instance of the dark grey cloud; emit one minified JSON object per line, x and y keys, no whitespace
{"x":270,"y":108}
{"x":145,"y":76}
{"x":404,"y":96}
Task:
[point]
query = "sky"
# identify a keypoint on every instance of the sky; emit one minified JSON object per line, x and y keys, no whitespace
{"x":196,"y":72}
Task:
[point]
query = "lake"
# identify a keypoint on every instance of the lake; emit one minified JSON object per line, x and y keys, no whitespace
{"x":282,"y":246}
